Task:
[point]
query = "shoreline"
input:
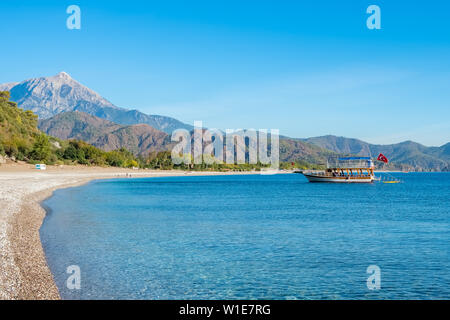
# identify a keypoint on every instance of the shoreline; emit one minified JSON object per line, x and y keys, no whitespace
{"x":36,"y":279}
{"x":24,"y":273}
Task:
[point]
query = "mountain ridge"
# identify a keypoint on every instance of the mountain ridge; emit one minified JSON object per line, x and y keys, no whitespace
{"x":407,"y":152}
{"x":140,"y":139}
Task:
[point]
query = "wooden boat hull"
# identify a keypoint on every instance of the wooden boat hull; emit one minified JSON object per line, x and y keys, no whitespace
{"x":322,"y":178}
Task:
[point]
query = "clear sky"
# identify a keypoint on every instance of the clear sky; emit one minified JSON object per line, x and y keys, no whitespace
{"x":307,"y":68}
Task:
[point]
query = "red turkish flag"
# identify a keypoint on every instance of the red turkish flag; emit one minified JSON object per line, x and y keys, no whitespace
{"x":381,"y":157}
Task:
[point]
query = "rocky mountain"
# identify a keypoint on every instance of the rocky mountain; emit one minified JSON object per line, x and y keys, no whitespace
{"x":139,"y":138}
{"x":49,"y":96}
{"x":409,"y":153}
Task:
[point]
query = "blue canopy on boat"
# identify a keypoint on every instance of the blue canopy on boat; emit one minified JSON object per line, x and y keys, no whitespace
{"x":354,"y":158}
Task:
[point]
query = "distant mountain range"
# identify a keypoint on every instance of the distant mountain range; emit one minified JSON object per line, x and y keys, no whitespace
{"x":139,"y":138}
{"x":69,"y":110}
{"x":142,"y":139}
{"x":49,"y":96}
{"x":409,"y":153}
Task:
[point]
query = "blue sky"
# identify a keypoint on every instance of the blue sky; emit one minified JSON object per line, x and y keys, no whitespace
{"x":306,"y":68}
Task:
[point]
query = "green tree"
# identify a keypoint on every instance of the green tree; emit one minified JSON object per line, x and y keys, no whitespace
{"x":41,"y":148}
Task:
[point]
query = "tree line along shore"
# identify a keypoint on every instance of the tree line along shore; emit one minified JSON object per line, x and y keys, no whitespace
{"x":21,"y":140}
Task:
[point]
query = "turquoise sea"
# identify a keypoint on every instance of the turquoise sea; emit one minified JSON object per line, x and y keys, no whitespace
{"x":251,"y":237}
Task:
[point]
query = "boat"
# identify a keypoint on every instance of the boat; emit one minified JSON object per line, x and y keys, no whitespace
{"x":344,"y":170}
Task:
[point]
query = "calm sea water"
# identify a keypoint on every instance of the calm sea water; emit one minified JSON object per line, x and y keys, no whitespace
{"x":251,"y":237}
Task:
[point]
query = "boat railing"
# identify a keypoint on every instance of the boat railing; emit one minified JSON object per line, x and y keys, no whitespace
{"x":315,"y":172}
{"x":350,"y":164}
